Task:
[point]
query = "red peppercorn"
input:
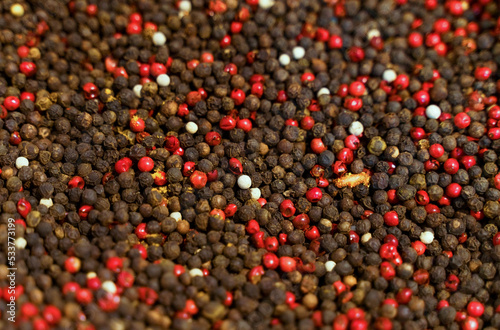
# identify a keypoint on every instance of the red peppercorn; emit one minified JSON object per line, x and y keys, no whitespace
{"x":213,"y":138}
{"x":462,"y":120}
{"x":419,"y":247}
{"x":415,"y":40}
{"x":282,"y":97}
{"x":335,"y":42}
{"x":157,"y":69}
{"x":470,"y":323}
{"x":238,"y":96}
{"x":84,"y":296}
{"x":391,"y":218}
{"x":270,"y":260}
{"x":314,"y":195}
{"x":137,"y":124}
{"x":11,"y":103}
{"x":72,"y":265}
{"x":404,"y":296}
{"x":255,"y":274}
{"x":227,"y":123}
{"x":244,"y":124}
{"x":307,"y":123}
{"x":496,"y":239}
{"x":356,"y":54}
{"x":318,"y":146}
{"x":452,"y":282}
{"x":301,"y":221}
{"x":422,"y":98}
{"x":345,"y":155}
{"x":172,"y":143}
{"x":146,"y":164}
{"x":453,"y":190}
{"x":115,"y":264}
{"x":312,"y":233}
{"x":52,"y":315}
{"x":475,"y":309}
{"x":383,"y":323}
{"x":482,"y":73}
{"x":468,"y":161}
{"x":225,"y":41}
{"x":287,"y":264}
{"x":287,"y":208}
{"x":134,"y":28}
{"x":27,"y":68}
{"x":442,"y":304}
{"x":198,"y":179}
{"x":422,"y":197}
{"x":357,"y":88}
{"x":353,"y":103}
{"x":235,"y":166}
{"x":387,"y":270}
{"x":436,"y":150}
{"x":84,"y":210}
{"x":23,"y":207}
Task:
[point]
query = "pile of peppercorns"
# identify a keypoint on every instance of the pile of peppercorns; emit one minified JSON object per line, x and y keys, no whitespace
{"x":257,"y":164}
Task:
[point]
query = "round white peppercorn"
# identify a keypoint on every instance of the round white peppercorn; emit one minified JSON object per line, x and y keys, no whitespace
{"x":389,"y":75}
{"x":356,"y":128}
{"x":163,"y":80}
{"x":21,"y":162}
{"x":427,"y":237}
{"x":159,"y":39}
{"x":433,"y":111}
{"x":191,"y":127}
{"x":298,"y":52}
{"x":244,"y":182}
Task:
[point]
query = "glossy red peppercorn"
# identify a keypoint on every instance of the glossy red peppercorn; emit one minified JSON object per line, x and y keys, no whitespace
{"x":252,"y":227}
{"x":314,"y":195}
{"x":470,"y":323}
{"x":84,"y":210}
{"x":270,"y":260}
{"x":404,"y":295}
{"x":198,"y":179}
{"x":287,"y":264}
{"x":436,"y":150}
{"x":307,"y":123}
{"x":318,"y":146}
{"x":419,"y":247}
{"x":422,"y":98}
{"x":255,"y":274}
{"x":146,"y":164}
{"x":23,"y":207}
{"x":90,"y":91}
{"x":235,"y":166}
{"x":287,"y":208}
{"x":137,"y":124}
{"x":345,"y":155}
{"x":72,"y":265}
{"x":357,"y":88}
{"x":482,"y":73}
{"x":11,"y":103}
{"x":27,"y":68}
{"x":244,"y":124}
{"x":475,"y":309}
{"x":422,"y":197}
{"x":213,"y":138}
{"x":353,"y":103}
{"x":391,"y":218}
{"x":496,"y":239}
{"x":462,"y":120}
{"x":453,"y":190}
{"x":387,"y":270}
{"x":312,"y":233}
{"x":468,"y":161}
{"x":115,"y":264}
{"x":442,"y":304}
{"x":301,"y":221}
{"x":335,"y":42}
{"x":76,"y":182}
{"x":238,"y":96}
{"x":84,"y":296}
{"x":52,"y":315}
{"x":227,"y":123}
{"x":415,"y":40}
